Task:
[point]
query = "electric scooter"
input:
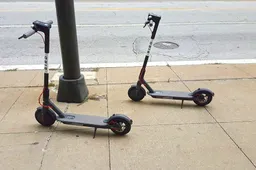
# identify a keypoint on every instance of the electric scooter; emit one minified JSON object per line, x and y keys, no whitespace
{"x":201,"y":96}
{"x":48,"y":112}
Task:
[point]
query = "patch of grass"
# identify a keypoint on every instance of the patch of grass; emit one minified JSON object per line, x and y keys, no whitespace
{"x":96,"y":97}
{"x":91,"y":69}
{"x":53,"y":69}
{"x":51,"y":84}
{"x":14,"y":69}
{"x":96,"y":69}
{"x":92,"y":97}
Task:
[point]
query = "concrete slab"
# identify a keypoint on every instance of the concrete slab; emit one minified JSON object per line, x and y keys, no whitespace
{"x":234,"y":100}
{"x":95,"y":105}
{"x":197,"y":146}
{"x":22,"y":151}
{"x":16,"y":78}
{"x":244,"y":135}
{"x":131,"y":74}
{"x":150,"y":111}
{"x":77,"y":150}
{"x":248,"y":68}
{"x":39,"y":79}
{"x":209,"y":72}
{"x":8,"y":98}
{"x":20,"y":117}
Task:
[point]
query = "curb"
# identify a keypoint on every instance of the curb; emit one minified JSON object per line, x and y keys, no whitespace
{"x":134,"y":64}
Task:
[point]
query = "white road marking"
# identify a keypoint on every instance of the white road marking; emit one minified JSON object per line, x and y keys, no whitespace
{"x":134,"y":25}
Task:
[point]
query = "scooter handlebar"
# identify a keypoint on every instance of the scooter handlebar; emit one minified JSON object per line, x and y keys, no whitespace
{"x":152,"y":18}
{"x":28,"y":34}
{"x":146,"y":23}
{"x":35,"y":28}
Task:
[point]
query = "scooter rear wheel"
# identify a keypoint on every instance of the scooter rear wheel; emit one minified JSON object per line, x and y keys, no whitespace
{"x":120,"y":126}
{"x":136,"y":94}
{"x":202,"y":98}
{"x":45,"y":119}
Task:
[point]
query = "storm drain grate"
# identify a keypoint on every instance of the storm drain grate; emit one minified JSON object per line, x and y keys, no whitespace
{"x":166,"y":45}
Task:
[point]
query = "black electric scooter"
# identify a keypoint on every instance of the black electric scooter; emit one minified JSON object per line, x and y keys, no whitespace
{"x":48,"y":113}
{"x":201,"y":96}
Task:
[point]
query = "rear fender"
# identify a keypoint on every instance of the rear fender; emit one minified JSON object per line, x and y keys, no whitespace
{"x":120,"y":116}
{"x":204,"y":90}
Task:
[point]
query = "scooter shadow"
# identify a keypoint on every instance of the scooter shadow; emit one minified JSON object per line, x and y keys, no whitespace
{"x":77,"y":132}
{"x":87,"y":132}
{"x":82,"y":132}
{"x":165,"y":104}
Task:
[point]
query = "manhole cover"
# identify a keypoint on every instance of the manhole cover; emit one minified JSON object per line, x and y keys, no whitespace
{"x":166,"y":45}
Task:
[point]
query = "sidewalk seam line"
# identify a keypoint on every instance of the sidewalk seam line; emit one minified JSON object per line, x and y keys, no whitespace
{"x":167,"y":81}
{"x":109,"y":144}
{"x":237,"y":121}
{"x":177,"y":124}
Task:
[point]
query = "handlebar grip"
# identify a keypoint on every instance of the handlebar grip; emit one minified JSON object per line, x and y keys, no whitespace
{"x":28,"y":34}
{"x":145,"y":24}
{"x":49,"y":22}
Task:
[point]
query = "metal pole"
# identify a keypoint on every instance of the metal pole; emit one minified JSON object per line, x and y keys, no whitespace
{"x":72,"y":86}
{"x":68,"y":38}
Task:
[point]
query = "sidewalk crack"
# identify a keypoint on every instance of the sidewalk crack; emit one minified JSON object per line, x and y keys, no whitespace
{"x":32,"y":79}
{"x":244,"y":71}
{"x":45,"y":148}
{"x":134,"y":47}
{"x":201,"y":51}
{"x":49,"y":138}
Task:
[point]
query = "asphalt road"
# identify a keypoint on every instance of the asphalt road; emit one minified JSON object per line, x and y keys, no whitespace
{"x":111,"y":32}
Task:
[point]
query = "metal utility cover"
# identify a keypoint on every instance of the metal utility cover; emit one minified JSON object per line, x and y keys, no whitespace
{"x":166,"y":45}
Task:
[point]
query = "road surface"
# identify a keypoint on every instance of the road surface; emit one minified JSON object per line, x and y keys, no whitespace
{"x":112,"y":32}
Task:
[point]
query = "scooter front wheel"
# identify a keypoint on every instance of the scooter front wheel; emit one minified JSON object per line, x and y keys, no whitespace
{"x":136,"y":93}
{"x":202,"y":98}
{"x":45,"y":119}
{"x":120,"y":126}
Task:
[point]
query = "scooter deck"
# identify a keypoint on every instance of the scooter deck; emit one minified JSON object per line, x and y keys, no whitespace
{"x":171,"y":95}
{"x":84,"y":120}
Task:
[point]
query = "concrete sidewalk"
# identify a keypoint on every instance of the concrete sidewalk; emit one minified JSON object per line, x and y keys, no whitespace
{"x":163,"y":136}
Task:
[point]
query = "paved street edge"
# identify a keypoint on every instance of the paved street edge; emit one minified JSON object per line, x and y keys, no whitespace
{"x":135,"y":64}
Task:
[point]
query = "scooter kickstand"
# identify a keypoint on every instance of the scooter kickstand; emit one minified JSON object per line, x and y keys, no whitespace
{"x":182,"y":104}
{"x":95,"y":129}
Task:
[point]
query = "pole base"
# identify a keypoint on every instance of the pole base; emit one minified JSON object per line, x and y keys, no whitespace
{"x":72,"y":91}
